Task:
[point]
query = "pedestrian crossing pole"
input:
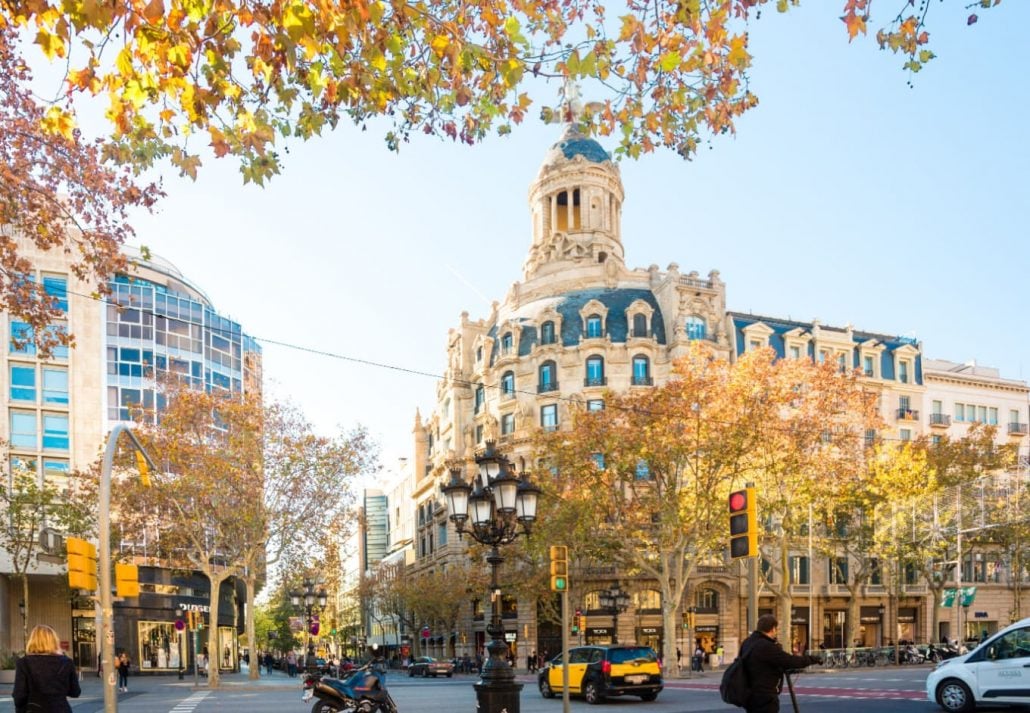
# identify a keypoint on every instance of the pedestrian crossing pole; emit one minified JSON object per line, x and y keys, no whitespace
{"x":565,"y":703}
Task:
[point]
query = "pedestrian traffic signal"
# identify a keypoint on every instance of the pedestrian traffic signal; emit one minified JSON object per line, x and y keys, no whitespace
{"x":82,"y":564}
{"x":559,"y":568}
{"x":582,"y":622}
{"x":126,"y":580}
{"x":743,"y":524}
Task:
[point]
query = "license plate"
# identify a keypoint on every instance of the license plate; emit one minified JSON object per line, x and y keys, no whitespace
{"x":635,"y":679}
{"x":308,"y":695}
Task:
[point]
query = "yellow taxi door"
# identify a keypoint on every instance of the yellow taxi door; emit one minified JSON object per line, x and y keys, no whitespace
{"x":578,"y":660}
{"x":554,"y":674}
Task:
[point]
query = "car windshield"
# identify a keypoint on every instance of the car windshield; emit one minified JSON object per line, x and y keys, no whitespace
{"x":635,"y":655}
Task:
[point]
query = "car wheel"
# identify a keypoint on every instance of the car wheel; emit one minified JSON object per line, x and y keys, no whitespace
{"x":592,"y":693}
{"x":425,"y":673}
{"x":955,"y":696}
{"x":545,"y":688}
{"x":648,"y":697}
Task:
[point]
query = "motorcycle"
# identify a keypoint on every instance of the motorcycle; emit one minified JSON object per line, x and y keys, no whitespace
{"x":361,"y":692}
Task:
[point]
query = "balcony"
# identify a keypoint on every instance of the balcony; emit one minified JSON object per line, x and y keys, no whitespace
{"x":1017,"y":429}
{"x":546,"y":387}
{"x":595,"y":381}
{"x":907,"y":414}
{"x":507,"y":395}
{"x":550,"y":427}
{"x":940,"y":420}
{"x":641,"y":381}
{"x":696,"y":283}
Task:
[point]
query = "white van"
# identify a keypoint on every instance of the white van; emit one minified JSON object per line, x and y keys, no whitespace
{"x":996,"y":671}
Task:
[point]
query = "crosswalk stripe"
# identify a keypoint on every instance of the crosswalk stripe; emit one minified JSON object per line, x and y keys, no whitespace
{"x":188,"y":705}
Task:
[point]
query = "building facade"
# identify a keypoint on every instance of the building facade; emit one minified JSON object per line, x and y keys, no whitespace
{"x":56,"y":414}
{"x":580,"y":322}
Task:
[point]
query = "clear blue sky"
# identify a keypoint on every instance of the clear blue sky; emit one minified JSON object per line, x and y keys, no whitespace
{"x":845,"y":196}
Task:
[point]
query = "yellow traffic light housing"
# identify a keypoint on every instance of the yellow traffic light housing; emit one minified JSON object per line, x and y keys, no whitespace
{"x":126,"y":580}
{"x":82,"y":564}
{"x":743,"y":523}
{"x":559,"y":568}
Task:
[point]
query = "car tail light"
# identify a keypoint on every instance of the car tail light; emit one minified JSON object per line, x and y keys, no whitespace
{"x":606,"y":668}
{"x":659,"y":665}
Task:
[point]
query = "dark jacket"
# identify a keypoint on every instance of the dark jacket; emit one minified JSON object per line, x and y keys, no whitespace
{"x":47,"y":680}
{"x":765,"y":665}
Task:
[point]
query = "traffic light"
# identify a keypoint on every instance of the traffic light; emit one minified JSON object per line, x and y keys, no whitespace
{"x":743,"y":524}
{"x":559,"y":568}
{"x":143,"y":467}
{"x":582,"y":622}
{"x":126,"y":580}
{"x":191,"y":619}
{"x":82,"y":564}
{"x":575,"y":621}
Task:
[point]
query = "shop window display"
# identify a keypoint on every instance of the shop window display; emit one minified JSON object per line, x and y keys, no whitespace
{"x":160,"y":645}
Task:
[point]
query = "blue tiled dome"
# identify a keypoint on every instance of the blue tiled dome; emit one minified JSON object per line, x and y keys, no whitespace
{"x":585,"y":147}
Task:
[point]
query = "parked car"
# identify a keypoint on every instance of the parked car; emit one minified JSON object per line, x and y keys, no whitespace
{"x":994,"y":672}
{"x":599,"y":672}
{"x":428,"y":666}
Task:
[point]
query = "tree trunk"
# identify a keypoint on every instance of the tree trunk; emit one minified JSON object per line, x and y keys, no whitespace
{"x":214,"y":653}
{"x":254,"y":668}
{"x":25,"y":616}
{"x":669,"y":608}
{"x":786,"y":599}
{"x":854,"y":613}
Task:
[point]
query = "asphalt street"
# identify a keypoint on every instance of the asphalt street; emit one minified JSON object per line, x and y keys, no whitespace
{"x":885,"y":690}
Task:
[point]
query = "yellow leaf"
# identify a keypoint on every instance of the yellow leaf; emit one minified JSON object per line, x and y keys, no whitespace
{"x":738,"y":56}
{"x":440,"y":44}
{"x":59,"y":122}
{"x":51,"y":44}
{"x":124,"y":62}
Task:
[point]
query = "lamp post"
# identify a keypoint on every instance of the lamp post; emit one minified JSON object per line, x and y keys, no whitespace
{"x":500,"y":505}
{"x":310,"y":601}
{"x":615,"y":601}
{"x":880,"y":611}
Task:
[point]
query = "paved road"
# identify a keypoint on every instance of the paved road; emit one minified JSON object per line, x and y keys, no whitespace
{"x":887,"y":690}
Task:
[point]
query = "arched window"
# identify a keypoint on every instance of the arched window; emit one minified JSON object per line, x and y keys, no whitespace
{"x":595,"y":371}
{"x":548,"y":377}
{"x":508,"y":384}
{"x":547,"y":333}
{"x":707,"y":600}
{"x":648,"y":599}
{"x":594,"y":326}
{"x":641,"y":371}
{"x":639,"y":325}
{"x":506,"y":343}
{"x":696,"y":328}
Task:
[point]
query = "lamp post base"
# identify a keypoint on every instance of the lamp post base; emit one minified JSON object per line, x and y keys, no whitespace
{"x":498,"y":696}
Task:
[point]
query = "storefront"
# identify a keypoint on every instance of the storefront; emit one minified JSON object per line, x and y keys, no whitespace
{"x":870,"y":621}
{"x":650,"y":636}
{"x":835,"y":628}
{"x":907,"y":617}
{"x":799,"y":630}
{"x":980,"y":624}
{"x":707,"y":635}
{"x":599,"y":635}
{"x":84,"y":637}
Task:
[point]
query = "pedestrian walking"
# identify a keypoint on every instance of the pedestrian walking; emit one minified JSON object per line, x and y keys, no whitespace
{"x":531,"y":662}
{"x":44,"y":678}
{"x":765,"y":663}
{"x":269,"y":662}
{"x":679,"y":656}
{"x":291,"y":664}
{"x":378,"y":666}
{"x":122,"y":664}
{"x":698,"y":660}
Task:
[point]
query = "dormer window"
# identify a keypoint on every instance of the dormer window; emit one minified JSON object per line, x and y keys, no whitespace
{"x":903,"y":372}
{"x":506,"y":343}
{"x":594,"y":330}
{"x":547,"y":333}
{"x":639,"y":325}
{"x":696,"y":327}
{"x":795,"y":351}
{"x":867,"y":365}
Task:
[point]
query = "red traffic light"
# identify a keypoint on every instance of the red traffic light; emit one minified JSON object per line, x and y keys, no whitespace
{"x":738,"y":501}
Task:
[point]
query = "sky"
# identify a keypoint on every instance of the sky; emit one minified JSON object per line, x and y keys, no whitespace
{"x":845,"y":196}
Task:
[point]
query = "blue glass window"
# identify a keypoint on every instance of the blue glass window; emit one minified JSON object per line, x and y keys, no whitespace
{"x":23,"y":383}
{"x":549,"y":417}
{"x":22,"y":332}
{"x":696,"y":328}
{"x":507,"y":424}
{"x":547,"y":333}
{"x":547,"y":374}
{"x":641,"y":369}
{"x":23,"y":430}
{"x":55,"y":468}
{"x":506,"y":343}
{"x":54,"y":330}
{"x":595,"y":405}
{"x":595,"y":371}
{"x":57,"y":287}
{"x":508,"y":383}
{"x":480,"y":398}
{"x":643,"y":470}
{"x":593,"y":326}
{"x":598,"y":459}
{"x":23,"y":463}
{"x":903,"y":372}
{"x":867,"y":365}
{"x":55,"y":432}
{"x":55,"y":386}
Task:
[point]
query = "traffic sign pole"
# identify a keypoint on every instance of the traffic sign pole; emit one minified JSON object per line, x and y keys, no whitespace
{"x":565,"y":704}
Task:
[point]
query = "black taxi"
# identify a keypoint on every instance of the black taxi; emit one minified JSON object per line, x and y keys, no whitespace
{"x":598,"y":672}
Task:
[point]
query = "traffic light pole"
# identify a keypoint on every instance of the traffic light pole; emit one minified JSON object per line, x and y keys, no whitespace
{"x":565,"y":705}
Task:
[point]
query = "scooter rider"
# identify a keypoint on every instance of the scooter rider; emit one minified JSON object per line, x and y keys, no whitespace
{"x":378,"y":666}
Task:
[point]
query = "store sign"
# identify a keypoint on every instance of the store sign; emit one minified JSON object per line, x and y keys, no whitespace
{"x":980,"y":615}
{"x":195,"y":607}
{"x":510,"y":636}
{"x":649,"y":630}
{"x":599,"y":631}
{"x":709,"y":629}
{"x":869,"y":619}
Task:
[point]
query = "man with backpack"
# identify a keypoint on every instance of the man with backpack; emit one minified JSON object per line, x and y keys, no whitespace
{"x":754,"y":680}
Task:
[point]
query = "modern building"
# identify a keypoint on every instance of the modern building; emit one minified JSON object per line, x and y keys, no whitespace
{"x":56,"y":414}
{"x":581,"y":321}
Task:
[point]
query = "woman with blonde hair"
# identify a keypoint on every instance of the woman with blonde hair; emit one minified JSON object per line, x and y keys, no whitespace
{"x":44,"y":678}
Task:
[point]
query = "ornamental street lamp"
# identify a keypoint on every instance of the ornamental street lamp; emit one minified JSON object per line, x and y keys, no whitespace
{"x":879,"y":611}
{"x":615,"y":601}
{"x":500,"y":503}
{"x":310,"y":601}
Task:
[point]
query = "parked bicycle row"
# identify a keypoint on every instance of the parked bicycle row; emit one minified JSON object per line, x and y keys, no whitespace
{"x":857,"y":657}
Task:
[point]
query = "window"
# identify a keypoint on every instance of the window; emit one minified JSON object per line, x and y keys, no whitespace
{"x":547,"y":377}
{"x":595,"y":371}
{"x":57,"y":288}
{"x":799,"y":570}
{"x":507,"y":424}
{"x":875,"y":572}
{"x":992,"y":416}
{"x":795,"y":352}
{"x":508,"y":383}
{"x":549,"y":417}
{"x":642,"y":470}
{"x":479,"y":433}
{"x":647,"y":599}
{"x":960,"y":412}
{"x":20,"y":463}
{"x":595,"y":405}
{"x":906,"y":434}
{"x":594,"y":326}
{"x":903,"y":372}
{"x":1014,"y":417}
{"x":23,"y":430}
{"x":639,"y":325}
{"x":842,"y":362}
{"x":981,"y":414}
{"x":823,"y":354}
{"x":755,"y":345}
{"x":22,"y":333}
{"x":55,"y":386}
{"x":55,"y":469}
{"x":904,"y":403}
{"x":707,"y":600}
{"x":867,"y":365}
{"x":696,"y":327}
{"x":55,"y":432}
{"x":23,"y":383}
{"x":480,"y":398}
{"x":598,"y":459}
{"x":641,"y":371}
{"x":936,"y":407}
{"x":441,"y":534}
{"x":838,"y":570}
{"x":1013,"y":645}
{"x":547,"y":333}
{"x":479,"y":353}
{"x":506,"y":343}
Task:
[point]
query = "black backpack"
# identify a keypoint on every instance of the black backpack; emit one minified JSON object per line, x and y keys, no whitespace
{"x":734,"y":687}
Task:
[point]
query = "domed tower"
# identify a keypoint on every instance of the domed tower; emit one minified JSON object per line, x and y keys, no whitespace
{"x":576,"y":207}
